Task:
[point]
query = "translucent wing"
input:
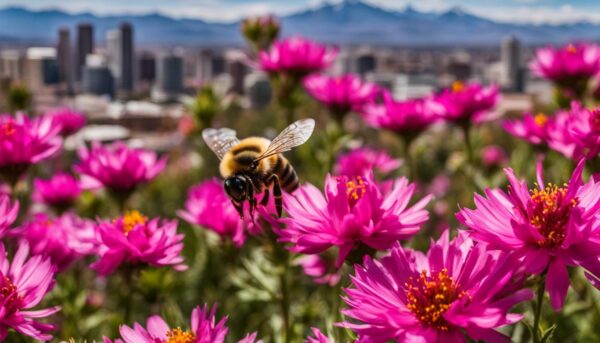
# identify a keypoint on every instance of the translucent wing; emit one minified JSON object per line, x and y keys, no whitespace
{"x":220,"y":141}
{"x":292,"y":136}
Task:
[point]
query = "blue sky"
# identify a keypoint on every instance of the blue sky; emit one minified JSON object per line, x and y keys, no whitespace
{"x":537,"y":11}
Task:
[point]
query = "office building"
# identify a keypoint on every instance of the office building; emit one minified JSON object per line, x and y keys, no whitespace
{"x":85,"y":46}
{"x":510,"y":57}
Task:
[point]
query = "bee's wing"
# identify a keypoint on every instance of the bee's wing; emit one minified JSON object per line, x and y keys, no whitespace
{"x":220,"y":141}
{"x":292,"y":136}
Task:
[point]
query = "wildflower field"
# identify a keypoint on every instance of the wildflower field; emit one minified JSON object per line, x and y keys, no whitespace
{"x":423,"y":220}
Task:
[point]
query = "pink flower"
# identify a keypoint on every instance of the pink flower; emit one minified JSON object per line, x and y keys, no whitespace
{"x":117,"y":167}
{"x":577,"y":135}
{"x":467,"y":103}
{"x":321,"y":270}
{"x":353,"y":215}
{"x":404,"y":117}
{"x":24,"y":142}
{"x":60,"y":191}
{"x":360,"y":161}
{"x":458,"y":288}
{"x":319,"y":337}
{"x":68,"y":120}
{"x":132,"y":238}
{"x":296,"y":56}
{"x":24,"y":283}
{"x":203,"y":329}
{"x":208,"y":206}
{"x":567,"y":65}
{"x":8,"y":213}
{"x":340,"y":94}
{"x":493,"y":156}
{"x":548,"y":228}
{"x":64,"y":239}
{"x":534,"y":129}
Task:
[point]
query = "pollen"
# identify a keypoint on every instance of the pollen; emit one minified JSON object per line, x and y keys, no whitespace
{"x":540,"y":119}
{"x":131,"y":219}
{"x":550,"y":211}
{"x":9,"y":297}
{"x":571,"y":49}
{"x":355,"y":189}
{"x":428,"y":297}
{"x":458,"y":86}
{"x":7,"y":129}
{"x":179,"y":336}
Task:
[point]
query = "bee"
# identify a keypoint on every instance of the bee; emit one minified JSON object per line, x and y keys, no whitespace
{"x":255,"y":165}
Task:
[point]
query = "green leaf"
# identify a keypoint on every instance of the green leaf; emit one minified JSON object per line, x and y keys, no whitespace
{"x":548,"y":334}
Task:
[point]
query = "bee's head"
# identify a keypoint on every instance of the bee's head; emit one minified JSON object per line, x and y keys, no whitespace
{"x":235,"y":187}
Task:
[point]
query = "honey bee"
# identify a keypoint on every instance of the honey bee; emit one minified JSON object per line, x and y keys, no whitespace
{"x":255,"y":165}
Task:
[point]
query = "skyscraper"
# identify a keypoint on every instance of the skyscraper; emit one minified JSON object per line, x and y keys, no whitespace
{"x":97,"y":78}
{"x":63,"y":57}
{"x":169,"y":78}
{"x":85,"y":46}
{"x":120,"y":53}
{"x":512,"y":78}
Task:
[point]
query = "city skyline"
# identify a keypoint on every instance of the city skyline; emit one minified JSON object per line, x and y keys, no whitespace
{"x":521,"y":11}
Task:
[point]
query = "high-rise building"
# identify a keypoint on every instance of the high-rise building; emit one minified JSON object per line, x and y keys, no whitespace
{"x":365,"y":64}
{"x":147,"y":67}
{"x":97,"y":77}
{"x":11,"y":65}
{"x":85,"y":46}
{"x":120,"y":53}
{"x":63,"y":57}
{"x":41,"y":68}
{"x":169,"y":78}
{"x":512,"y":74}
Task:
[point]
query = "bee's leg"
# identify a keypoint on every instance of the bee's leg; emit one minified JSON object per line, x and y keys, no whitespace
{"x":239,"y":207}
{"x":265,"y":199}
{"x":250,"y":197}
{"x":274,"y":180}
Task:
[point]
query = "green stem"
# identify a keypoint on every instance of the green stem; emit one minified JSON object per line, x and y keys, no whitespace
{"x":412,"y":173}
{"x":468,"y":144}
{"x":537,"y":310}
{"x":339,"y":333}
{"x":285,"y":304}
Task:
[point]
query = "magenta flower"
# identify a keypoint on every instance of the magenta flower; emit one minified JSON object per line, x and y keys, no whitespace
{"x":132,"y":238}
{"x":64,"y":239}
{"x":60,"y":191}
{"x":458,"y":288}
{"x":340,"y":94}
{"x":8,"y":213}
{"x":208,"y":206}
{"x":353,"y":215}
{"x":296,"y":56}
{"x":493,"y":156}
{"x":117,"y":167}
{"x":534,"y":129}
{"x":203,"y":329}
{"x":567,"y":65}
{"x":320,"y":269}
{"x":577,"y":134}
{"x":24,"y":283}
{"x":319,"y":337}
{"x":467,"y":103}
{"x":68,"y":120}
{"x":360,"y":161}
{"x":407,"y":117}
{"x":24,"y":142}
{"x":547,"y":228}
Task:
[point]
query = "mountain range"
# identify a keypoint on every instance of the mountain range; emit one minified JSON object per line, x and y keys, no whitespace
{"x":348,"y":22}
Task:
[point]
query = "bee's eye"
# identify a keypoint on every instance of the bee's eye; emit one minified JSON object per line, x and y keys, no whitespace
{"x":254,"y":165}
{"x":236,"y":188}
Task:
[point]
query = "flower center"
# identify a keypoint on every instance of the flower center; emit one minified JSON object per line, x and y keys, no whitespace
{"x":429,"y":297}
{"x":179,"y":336}
{"x":355,"y":189}
{"x":550,"y":212}
{"x":540,"y":119}
{"x":571,"y":49}
{"x":131,"y":219}
{"x":595,"y":121}
{"x":9,"y":297}
{"x":7,"y":129}
{"x":458,"y":86}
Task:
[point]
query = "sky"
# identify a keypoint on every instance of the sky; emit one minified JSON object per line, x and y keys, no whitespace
{"x":524,"y":11}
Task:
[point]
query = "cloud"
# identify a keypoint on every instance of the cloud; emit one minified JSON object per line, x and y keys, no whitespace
{"x":540,"y":14}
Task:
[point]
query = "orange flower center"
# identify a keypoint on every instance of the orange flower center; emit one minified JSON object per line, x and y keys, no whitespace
{"x":355,"y":189}
{"x":458,"y":86}
{"x":540,"y":119}
{"x":7,"y":129}
{"x":430,"y":296}
{"x":131,"y":219}
{"x":179,"y":336}
{"x":550,"y":213}
{"x":571,"y":49}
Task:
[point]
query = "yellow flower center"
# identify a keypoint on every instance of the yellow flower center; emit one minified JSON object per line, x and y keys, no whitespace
{"x":430,"y":296}
{"x":550,"y":213}
{"x":7,"y":129}
{"x":355,"y":189}
{"x":540,"y":119}
{"x":131,"y":219}
{"x":179,"y":336}
{"x":571,"y":49}
{"x":458,"y":86}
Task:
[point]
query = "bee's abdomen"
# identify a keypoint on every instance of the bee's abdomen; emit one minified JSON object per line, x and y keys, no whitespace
{"x":288,"y":179}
